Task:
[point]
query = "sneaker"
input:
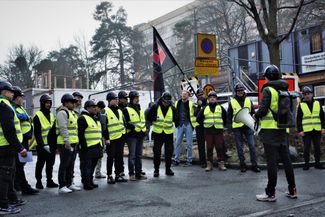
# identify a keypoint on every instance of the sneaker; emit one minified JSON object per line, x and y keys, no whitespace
{"x":18,"y":202}
{"x":265,"y":198}
{"x":93,"y":184}
{"x":64,"y":190}
{"x":156,"y":173}
{"x":141,"y":177}
{"x":243,"y":168}
{"x":187,"y":164}
{"x":73,"y":187}
{"x":88,"y":187}
{"x":143,"y":173}
{"x":29,"y":191}
{"x":132,"y":178}
{"x":169,"y":172}
{"x":120,"y":179}
{"x":292,"y":194}
{"x":110,"y":180}
{"x":39,"y":185}
{"x":100,"y":176}
{"x":51,"y":184}
{"x":256,"y":169}
{"x":9,"y":210}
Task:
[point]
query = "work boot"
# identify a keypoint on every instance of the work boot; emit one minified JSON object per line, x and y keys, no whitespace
{"x":169,"y":172}
{"x":221,"y":166}
{"x":29,"y":191}
{"x":88,"y":186}
{"x":209,"y":167}
{"x":39,"y":185}
{"x":156,"y":173}
{"x":243,"y":168}
{"x":51,"y":184}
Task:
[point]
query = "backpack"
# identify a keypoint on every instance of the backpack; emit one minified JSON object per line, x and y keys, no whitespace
{"x":286,"y":114}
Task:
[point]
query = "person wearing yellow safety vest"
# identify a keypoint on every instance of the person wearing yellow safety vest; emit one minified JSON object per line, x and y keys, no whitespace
{"x":187,"y":122}
{"x":214,"y":119}
{"x":235,"y":104}
{"x":115,"y":143}
{"x":67,"y":140}
{"x":90,"y":143}
{"x":275,"y":140}
{"x":21,"y":183}
{"x":162,"y":115}
{"x":311,"y":126}
{"x":135,"y":132}
{"x":45,"y":136}
{"x":10,"y":144}
{"x":122,"y":104}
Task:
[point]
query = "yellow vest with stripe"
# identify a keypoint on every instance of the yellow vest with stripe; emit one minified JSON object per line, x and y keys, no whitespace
{"x":311,"y":120}
{"x":163,"y":124}
{"x":213,"y":118}
{"x":93,"y":133}
{"x":26,"y":126}
{"x":115,"y":126}
{"x":46,"y":125}
{"x":192,"y":117}
{"x":268,"y":122}
{"x":236,"y":107}
{"x":72,"y":129}
{"x":3,"y":140}
{"x":137,"y":120}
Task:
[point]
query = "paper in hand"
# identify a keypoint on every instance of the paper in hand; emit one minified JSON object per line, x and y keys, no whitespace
{"x":28,"y":158}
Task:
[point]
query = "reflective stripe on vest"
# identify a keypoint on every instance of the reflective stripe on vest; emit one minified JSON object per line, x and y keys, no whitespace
{"x":138,"y":121}
{"x":25,"y":125}
{"x":163,"y":124}
{"x":3,"y":140}
{"x":236,"y":107}
{"x":93,"y":133}
{"x":311,"y":120}
{"x":115,"y":126}
{"x":213,"y":118}
{"x":46,"y":125}
{"x":268,"y":122}
{"x":192,"y":117}
{"x":72,"y":129}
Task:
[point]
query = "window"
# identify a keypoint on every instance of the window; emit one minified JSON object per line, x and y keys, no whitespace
{"x":316,"y":42}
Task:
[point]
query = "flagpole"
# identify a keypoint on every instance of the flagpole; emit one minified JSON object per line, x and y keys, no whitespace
{"x":188,"y":82}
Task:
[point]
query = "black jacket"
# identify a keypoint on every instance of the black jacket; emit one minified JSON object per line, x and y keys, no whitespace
{"x":9,"y":132}
{"x":129,"y":126}
{"x":300,"y":115}
{"x":187,"y":109}
{"x":84,"y":151}
{"x":200,"y":119}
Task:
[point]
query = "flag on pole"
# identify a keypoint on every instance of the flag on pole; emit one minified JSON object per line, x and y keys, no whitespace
{"x":163,"y":60}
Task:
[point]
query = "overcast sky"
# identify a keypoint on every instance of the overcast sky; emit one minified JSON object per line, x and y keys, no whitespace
{"x":50,"y":24}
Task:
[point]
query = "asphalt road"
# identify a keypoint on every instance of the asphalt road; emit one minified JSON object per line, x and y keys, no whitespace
{"x":191,"y":192}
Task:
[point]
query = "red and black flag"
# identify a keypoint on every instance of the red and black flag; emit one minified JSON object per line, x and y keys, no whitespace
{"x":163,"y":60}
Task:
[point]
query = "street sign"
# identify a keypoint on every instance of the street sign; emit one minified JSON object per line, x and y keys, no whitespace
{"x":206,"y":46}
{"x":207,"y":88}
{"x":206,"y":66}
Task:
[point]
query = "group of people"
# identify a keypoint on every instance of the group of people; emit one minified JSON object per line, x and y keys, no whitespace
{"x":95,"y":128}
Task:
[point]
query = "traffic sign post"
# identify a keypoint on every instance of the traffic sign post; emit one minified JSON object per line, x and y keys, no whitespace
{"x":208,"y":88}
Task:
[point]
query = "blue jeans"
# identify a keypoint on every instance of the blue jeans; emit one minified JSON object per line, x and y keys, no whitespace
{"x":249,"y":134}
{"x":135,"y":145}
{"x":188,"y":131}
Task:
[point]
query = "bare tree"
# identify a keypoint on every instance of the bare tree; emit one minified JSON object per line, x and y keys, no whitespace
{"x":265,"y":13}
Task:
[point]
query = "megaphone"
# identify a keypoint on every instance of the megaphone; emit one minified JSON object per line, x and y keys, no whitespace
{"x":244,"y":117}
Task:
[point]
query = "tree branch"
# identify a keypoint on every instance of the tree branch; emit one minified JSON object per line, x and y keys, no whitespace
{"x":296,"y":6}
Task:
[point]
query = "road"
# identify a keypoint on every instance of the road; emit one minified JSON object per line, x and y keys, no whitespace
{"x":191,"y":192}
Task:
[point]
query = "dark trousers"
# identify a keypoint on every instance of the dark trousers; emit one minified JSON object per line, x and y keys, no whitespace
{"x":249,"y":135}
{"x":315,"y":137}
{"x":87,"y":168}
{"x":66,"y":168}
{"x":159,"y":141}
{"x":44,"y":157}
{"x":21,"y":182}
{"x":273,"y":153}
{"x":201,"y":143}
{"x":7,"y":176}
{"x":135,"y":145}
{"x":215,"y":140}
{"x":115,"y":155}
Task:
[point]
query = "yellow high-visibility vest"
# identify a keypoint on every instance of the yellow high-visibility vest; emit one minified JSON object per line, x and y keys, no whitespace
{"x":213,"y":118}
{"x":137,"y":120}
{"x":93,"y":132}
{"x":72,"y":129}
{"x":236,"y":107}
{"x":46,"y":125}
{"x":26,"y":126}
{"x":311,"y":120}
{"x":192,"y":117}
{"x":268,"y":122}
{"x":163,"y":124}
{"x":3,"y":140}
{"x":115,"y":126}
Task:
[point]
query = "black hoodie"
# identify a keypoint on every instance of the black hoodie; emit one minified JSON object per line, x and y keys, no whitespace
{"x":129,"y":126}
